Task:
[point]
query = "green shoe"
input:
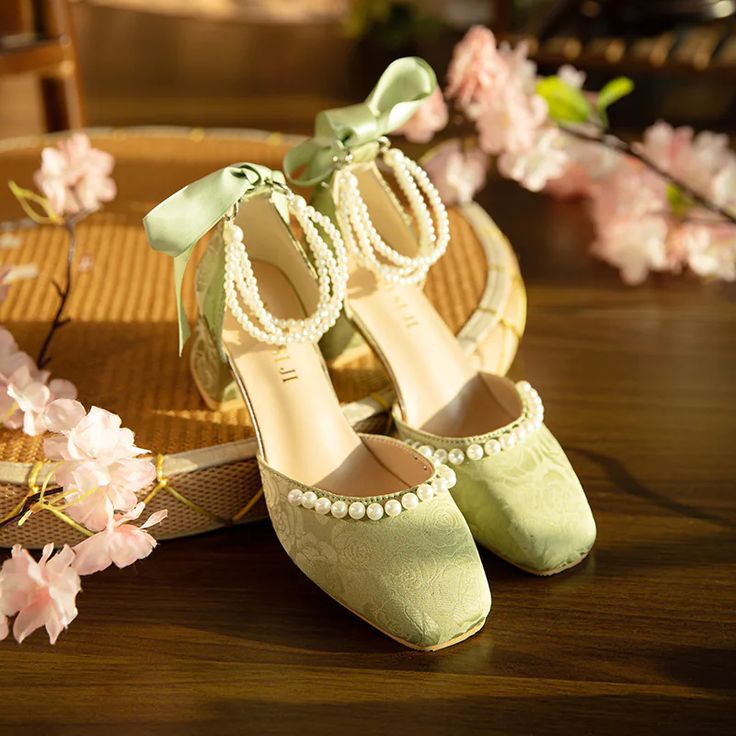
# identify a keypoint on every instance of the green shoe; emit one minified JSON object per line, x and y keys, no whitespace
{"x":515,"y":486}
{"x":368,"y":519}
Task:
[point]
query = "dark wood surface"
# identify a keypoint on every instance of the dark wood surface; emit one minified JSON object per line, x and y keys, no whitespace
{"x":222,"y":634}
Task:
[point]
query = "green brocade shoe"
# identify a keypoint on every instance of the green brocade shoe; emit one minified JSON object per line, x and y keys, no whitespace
{"x":368,"y":519}
{"x":516,"y":489}
{"x":515,"y":486}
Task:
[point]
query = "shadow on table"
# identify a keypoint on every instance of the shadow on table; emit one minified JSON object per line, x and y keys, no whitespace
{"x":481,"y":714}
{"x":621,"y":478}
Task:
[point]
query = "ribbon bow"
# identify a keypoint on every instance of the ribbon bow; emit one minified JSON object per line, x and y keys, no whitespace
{"x":400,"y":91}
{"x":175,"y":225}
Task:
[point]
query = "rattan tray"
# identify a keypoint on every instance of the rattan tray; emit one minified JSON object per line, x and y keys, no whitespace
{"x":120,"y":349}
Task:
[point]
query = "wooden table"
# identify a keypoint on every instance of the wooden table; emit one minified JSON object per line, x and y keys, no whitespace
{"x":222,"y":634}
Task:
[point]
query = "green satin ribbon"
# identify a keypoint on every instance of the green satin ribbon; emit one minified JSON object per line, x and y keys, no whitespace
{"x":175,"y":226}
{"x":400,"y":91}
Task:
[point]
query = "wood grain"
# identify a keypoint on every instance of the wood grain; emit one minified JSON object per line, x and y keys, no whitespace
{"x":221,"y":634}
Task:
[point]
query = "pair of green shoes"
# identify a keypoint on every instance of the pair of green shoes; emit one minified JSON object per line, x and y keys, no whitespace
{"x":385,"y":527}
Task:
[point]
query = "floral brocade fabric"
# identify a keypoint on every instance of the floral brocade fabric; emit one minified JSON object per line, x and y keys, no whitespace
{"x":525,"y":504}
{"x":416,"y":576}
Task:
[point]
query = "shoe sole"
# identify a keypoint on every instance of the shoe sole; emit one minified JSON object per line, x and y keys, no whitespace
{"x":416,"y":647}
{"x":408,"y":644}
{"x":541,"y":573}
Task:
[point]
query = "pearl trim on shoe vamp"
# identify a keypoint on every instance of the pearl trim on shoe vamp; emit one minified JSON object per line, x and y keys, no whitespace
{"x":530,"y":420}
{"x":442,"y":481}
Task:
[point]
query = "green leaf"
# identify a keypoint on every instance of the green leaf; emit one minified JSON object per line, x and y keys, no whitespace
{"x":678,"y":200}
{"x":613,"y":91}
{"x":566,"y":104}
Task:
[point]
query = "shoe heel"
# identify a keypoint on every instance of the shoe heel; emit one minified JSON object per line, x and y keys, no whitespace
{"x":212,"y":377}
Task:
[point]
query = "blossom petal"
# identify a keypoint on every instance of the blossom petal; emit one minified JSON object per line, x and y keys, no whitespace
{"x":155,"y":518}
{"x":92,"y":554}
{"x":64,"y":413}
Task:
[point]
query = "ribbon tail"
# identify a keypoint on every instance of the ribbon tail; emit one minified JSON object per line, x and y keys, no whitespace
{"x":180,"y":266}
{"x":314,"y":158}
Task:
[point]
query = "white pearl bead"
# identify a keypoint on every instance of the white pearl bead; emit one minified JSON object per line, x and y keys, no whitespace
{"x":323,"y":506}
{"x":393,"y":507}
{"x":508,"y":441}
{"x":309,"y":499}
{"x":440,"y":486}
{"x":295,"y":497}
{"x":474,"y":452}
{"x":410,"y":500}
{"x":374,"y":511}
{"x":425,"y":492}
{"x":450,"y":476}
{"x":524,"y":386}
{"x":356,"y":510}
{"x":440,"y":455}
{"x":426,"y":450}
{"x":339,"y":509}
{"x":456,"y":456}
{"x":492,"y":447}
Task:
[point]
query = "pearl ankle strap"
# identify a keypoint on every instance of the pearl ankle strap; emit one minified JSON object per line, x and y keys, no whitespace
{"x":240,"y":283}
{"x":367,"y":245}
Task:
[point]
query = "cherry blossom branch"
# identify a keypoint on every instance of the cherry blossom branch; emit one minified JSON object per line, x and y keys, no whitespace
{"x":59,"y":320}
{"x":617,"y":144}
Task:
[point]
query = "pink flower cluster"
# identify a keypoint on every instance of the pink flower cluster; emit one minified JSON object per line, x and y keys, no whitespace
{"x":25,"y":391}
{"x":645,"y":224}
{"x":75,"y":177}
{"x":100,"y":472}
{"x":495,"y":87}
{"x":44,"y":592}
{"x":100,"y":468}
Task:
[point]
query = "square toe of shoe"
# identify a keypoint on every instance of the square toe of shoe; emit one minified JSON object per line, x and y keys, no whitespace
{"x":416,"y":576}
{"x":527,"y":505}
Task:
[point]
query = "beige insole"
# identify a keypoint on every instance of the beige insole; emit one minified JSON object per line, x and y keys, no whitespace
{"x":438,"y":390}
{"x":301,"y":429}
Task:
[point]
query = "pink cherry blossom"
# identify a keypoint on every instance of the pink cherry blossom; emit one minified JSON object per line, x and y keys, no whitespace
{"x":586,"y":164}
{"x":39,"y":593}
{"x":100,"y":462}
{"x":120,"y":543}
{"x":457,"y":173}
{"x":635,"y":246}
{"x":475,"y":69}
{"x":27,"y":389}
{"x":704,"y":161}
{"x":708,"y":249}
{"x":632,"y":218}
{"x":533,"y":167}
{"x":509,"y":119}
{"x":11,"y":357}
{"x":571,"y":76}
{"x":74,"y":176}
{"x":629,"y":189}
{"x":427,"y":120}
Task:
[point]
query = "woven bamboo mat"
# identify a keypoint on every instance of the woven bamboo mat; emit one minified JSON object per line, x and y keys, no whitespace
{"x":121,"y":347}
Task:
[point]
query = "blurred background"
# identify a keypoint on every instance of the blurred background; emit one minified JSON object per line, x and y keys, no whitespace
{"x":272,"y":64}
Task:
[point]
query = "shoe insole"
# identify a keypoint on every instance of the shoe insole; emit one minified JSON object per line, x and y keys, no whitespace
{"x":438,"y":389}
{"x":301,"y":428}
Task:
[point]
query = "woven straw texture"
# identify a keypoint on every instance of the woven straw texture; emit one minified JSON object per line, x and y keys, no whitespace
{"x":120,"y":348}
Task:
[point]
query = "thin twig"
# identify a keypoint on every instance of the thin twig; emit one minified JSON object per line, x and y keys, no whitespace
{"x":611,"y":141}
{"x":59,"y":321}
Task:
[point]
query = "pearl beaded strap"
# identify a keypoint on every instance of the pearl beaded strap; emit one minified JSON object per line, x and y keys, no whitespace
{"x":241,"y":284}
{"x":531,"y":420}
{"x":365,"y":242}
{"x":443,"y":479}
